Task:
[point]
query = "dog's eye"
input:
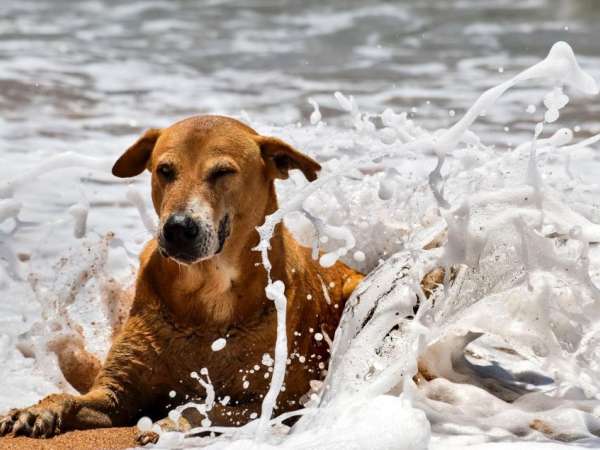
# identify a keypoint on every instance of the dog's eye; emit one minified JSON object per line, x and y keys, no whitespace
{"x":220,"y":172}
{"x":166,"y":171}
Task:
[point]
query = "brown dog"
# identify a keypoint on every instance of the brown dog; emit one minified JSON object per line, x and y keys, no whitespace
{"x":199,"y":281}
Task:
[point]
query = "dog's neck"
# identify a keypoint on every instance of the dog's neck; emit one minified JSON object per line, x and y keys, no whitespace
{"x":227,"y":288}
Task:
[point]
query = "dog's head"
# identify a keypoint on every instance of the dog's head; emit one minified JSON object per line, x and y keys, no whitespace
{"x":212,"y":176}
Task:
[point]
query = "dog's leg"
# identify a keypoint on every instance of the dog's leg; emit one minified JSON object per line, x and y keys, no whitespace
{"x":57,"y":413}
{"x":119,"y":392}
{"x":79,"y":367}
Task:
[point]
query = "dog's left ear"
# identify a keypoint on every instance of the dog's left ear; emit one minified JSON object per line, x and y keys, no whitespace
{"x":135,"y":159}
{"x":281,"y":157}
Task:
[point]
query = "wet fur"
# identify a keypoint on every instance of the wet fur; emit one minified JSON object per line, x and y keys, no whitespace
{"x":180,"y":310}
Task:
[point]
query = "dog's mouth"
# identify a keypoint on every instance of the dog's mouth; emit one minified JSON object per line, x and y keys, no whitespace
{"x":179,"y":257}
{"x":199,"y":250}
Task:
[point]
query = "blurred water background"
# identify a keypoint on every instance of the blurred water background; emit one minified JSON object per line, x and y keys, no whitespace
{"x":79,"y":74}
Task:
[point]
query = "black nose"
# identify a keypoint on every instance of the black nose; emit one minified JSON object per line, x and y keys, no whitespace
{"x":180,"y":228}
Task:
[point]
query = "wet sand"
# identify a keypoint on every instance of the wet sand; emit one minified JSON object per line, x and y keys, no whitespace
{"x":99,"y":439}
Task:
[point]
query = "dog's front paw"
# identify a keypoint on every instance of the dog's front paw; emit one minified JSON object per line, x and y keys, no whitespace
{"x":40,"y":421}
{"x":31,"y":422}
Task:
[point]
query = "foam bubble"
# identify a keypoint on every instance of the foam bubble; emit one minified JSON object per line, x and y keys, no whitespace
{"x":144,"y":424}
{"x":218,"y":344}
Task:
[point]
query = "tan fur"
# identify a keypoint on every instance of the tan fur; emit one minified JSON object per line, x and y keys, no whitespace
{"x":180,"y":310}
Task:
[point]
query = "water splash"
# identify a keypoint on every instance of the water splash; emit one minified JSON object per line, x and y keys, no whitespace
{"x":466,"y":247}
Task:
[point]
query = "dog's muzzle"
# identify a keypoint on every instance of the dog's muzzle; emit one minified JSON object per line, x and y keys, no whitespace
{"x":188,"y":240}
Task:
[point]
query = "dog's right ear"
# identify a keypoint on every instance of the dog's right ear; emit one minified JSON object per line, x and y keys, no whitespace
{"x":135,"y":159}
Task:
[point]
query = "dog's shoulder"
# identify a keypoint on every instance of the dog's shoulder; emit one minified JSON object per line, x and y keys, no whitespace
{"x":306,"y":276}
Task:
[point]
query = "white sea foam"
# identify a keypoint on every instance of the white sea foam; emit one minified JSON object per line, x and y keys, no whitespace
{"x":218,"y":344}
{"x":508,"y":343}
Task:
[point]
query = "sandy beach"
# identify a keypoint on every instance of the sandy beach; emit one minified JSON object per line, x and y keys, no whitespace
{"x":99,"y":439}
